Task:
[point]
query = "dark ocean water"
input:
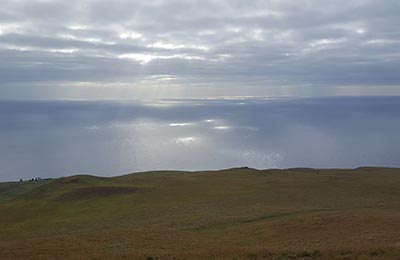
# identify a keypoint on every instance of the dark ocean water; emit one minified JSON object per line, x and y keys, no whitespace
{"x":58,"y":138}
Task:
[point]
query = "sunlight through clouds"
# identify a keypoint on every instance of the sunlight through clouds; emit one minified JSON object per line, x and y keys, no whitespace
{"x":208,"y":48}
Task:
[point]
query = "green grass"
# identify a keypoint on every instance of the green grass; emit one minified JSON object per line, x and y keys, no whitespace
{"x":231,"y":214}
{"x":9,"y":190}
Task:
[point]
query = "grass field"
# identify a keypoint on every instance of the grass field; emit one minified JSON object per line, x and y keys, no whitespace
{"x":230,"y":214}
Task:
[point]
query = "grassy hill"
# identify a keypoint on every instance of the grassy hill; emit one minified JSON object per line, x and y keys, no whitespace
{"x":230,"y":214}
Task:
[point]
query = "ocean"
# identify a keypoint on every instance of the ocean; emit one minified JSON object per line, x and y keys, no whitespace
{"x":53,"y":138}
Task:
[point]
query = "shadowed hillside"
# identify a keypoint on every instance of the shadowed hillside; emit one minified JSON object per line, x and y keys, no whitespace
{"x":239,"y":213}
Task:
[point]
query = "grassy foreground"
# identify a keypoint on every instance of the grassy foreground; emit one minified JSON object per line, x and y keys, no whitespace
{"x":230,"y":214}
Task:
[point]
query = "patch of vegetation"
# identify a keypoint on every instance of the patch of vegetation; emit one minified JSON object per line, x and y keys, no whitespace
{"x":231,"y":214}
{"x":9,"y":190}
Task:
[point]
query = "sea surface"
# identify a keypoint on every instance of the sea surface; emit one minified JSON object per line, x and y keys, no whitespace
{"x":106,"y":138}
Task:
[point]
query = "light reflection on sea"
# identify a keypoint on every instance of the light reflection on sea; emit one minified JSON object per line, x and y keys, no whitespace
{"x":56,"y":138}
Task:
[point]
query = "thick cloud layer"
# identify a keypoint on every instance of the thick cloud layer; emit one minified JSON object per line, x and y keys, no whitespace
{"x":98,"y":48}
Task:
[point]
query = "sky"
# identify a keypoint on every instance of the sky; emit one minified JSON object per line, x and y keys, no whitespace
{"x":96,"y":49}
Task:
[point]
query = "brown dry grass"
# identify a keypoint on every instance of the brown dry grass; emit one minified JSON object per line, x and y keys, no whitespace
{"x":236,"y":214}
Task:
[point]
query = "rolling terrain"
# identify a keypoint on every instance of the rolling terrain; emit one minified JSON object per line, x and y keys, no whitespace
{"x":239,"y":213}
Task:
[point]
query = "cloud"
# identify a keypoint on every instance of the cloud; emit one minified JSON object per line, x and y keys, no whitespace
{"x":212,"y":44}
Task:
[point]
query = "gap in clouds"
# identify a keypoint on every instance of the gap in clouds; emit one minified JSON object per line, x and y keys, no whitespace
{"x":76,"y":49}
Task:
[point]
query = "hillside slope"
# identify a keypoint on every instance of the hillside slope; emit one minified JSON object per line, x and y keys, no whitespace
{"x":230,"y":214}
{"x":9,"y":190}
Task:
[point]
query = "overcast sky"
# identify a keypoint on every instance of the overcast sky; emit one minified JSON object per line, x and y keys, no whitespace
{"x":128,"y":49}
